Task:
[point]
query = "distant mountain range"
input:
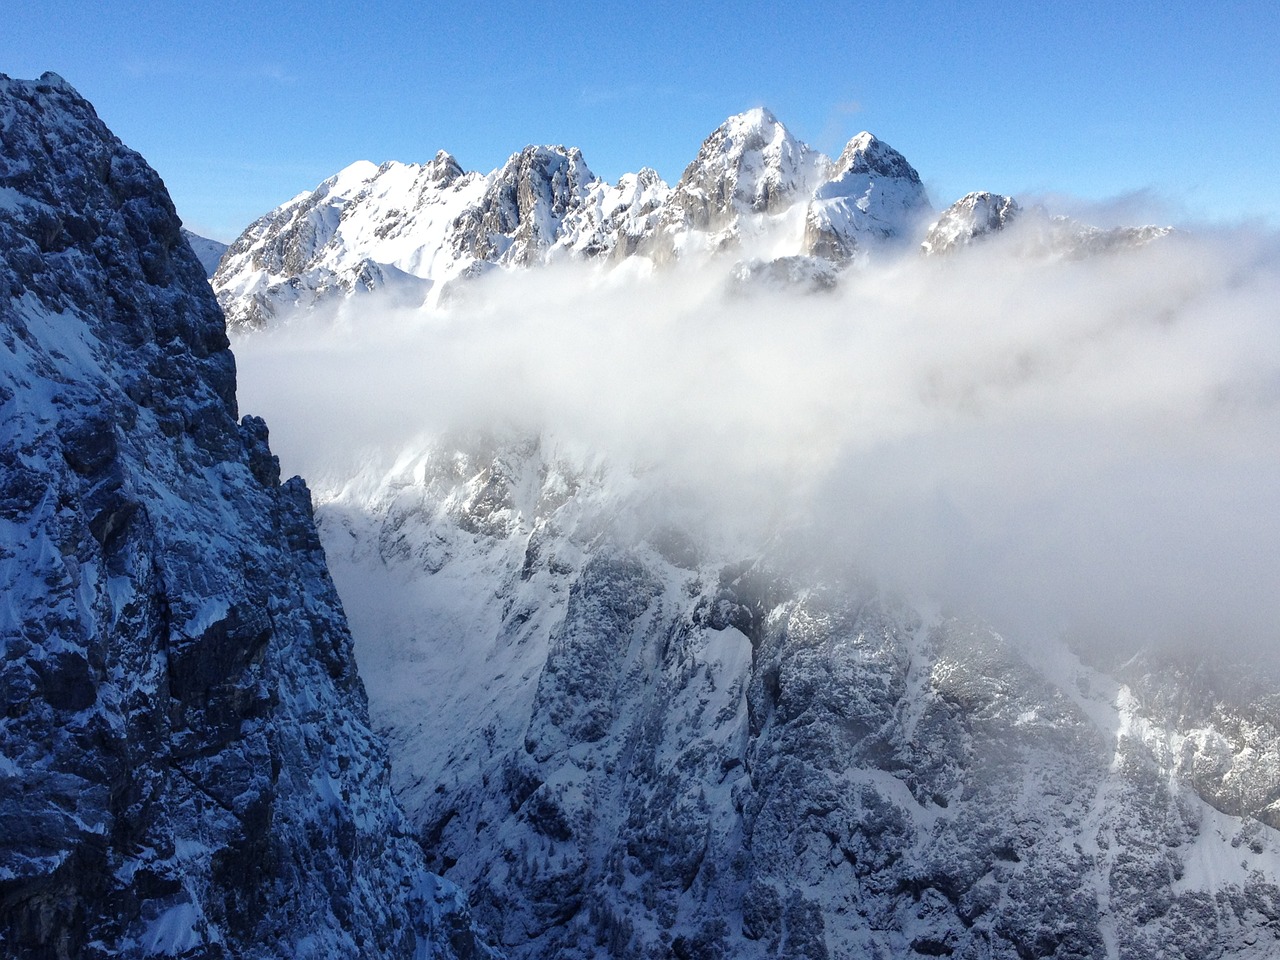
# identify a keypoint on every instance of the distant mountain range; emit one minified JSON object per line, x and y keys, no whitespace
{"x":755,"y":196}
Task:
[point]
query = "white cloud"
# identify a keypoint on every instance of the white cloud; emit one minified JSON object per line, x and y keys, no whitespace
{"x":1091,"y":445}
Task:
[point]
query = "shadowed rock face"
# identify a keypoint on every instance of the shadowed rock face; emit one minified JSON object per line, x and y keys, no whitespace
{"x":186,"y":766}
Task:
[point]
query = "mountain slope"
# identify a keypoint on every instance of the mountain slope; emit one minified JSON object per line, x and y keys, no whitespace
{"x":659,"y":746}
{"x":186,"y":765}
{"x":872,"y":196}
{"x":747,"y":172}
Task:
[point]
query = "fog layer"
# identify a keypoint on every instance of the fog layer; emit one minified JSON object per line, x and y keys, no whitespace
{"x":1089,"y":446}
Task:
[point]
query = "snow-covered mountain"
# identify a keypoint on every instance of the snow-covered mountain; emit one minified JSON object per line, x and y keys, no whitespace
{"x":872,"y":196}
{"x":753,"y":195}
{"x":626,"y":735}
{"x":208,"y":252}
{"x":748,"y":173}
{"x":186,"y":763}
{"x":1034,"y":232}
{"x":626,"y":739}
{"x":754,"y":192}
{"x":616,"y":729}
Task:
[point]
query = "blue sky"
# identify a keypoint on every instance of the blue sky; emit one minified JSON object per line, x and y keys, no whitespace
{"x":1152,"y":111}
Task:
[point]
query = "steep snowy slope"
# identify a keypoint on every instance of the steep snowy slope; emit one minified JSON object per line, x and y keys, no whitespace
{"x":625,"y":740}
{"x":366,"y":227}
{"x":186,"y":765}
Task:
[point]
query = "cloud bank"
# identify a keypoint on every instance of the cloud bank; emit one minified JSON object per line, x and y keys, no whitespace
{"x":1084,"y":446}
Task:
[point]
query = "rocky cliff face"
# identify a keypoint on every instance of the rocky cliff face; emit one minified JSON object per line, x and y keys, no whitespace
{"x":626,"y":742}
{"x":186,"y":766}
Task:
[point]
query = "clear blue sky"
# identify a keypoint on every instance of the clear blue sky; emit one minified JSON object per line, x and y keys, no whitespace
{"x":241,"y":105}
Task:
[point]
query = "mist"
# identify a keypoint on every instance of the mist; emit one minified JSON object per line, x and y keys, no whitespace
{"x":1088,"y":447}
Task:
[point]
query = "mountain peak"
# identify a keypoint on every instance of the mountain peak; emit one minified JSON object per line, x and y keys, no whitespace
{"x":973,"y":216}
{"x":864,"y":154}
{"x":750,"y":164}
{"x":443,"y":169}
{"x":753,"y":119}
{"x":55,"y":81}
{"x":872,"y":195}
{"x":349,"y":179}
{"x":752,"y":130}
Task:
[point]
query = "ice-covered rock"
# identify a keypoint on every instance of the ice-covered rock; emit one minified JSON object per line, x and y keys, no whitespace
{"x":186,"y":763}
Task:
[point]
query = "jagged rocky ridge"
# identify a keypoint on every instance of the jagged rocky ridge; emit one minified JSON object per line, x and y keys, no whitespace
{"x":777,"y":210}
{"x":626,"y":741}
{"x":415,"y":230}
{"x":186,"y":765}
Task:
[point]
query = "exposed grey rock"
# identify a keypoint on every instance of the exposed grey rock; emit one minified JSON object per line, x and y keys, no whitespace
{"x":186,"y":764}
